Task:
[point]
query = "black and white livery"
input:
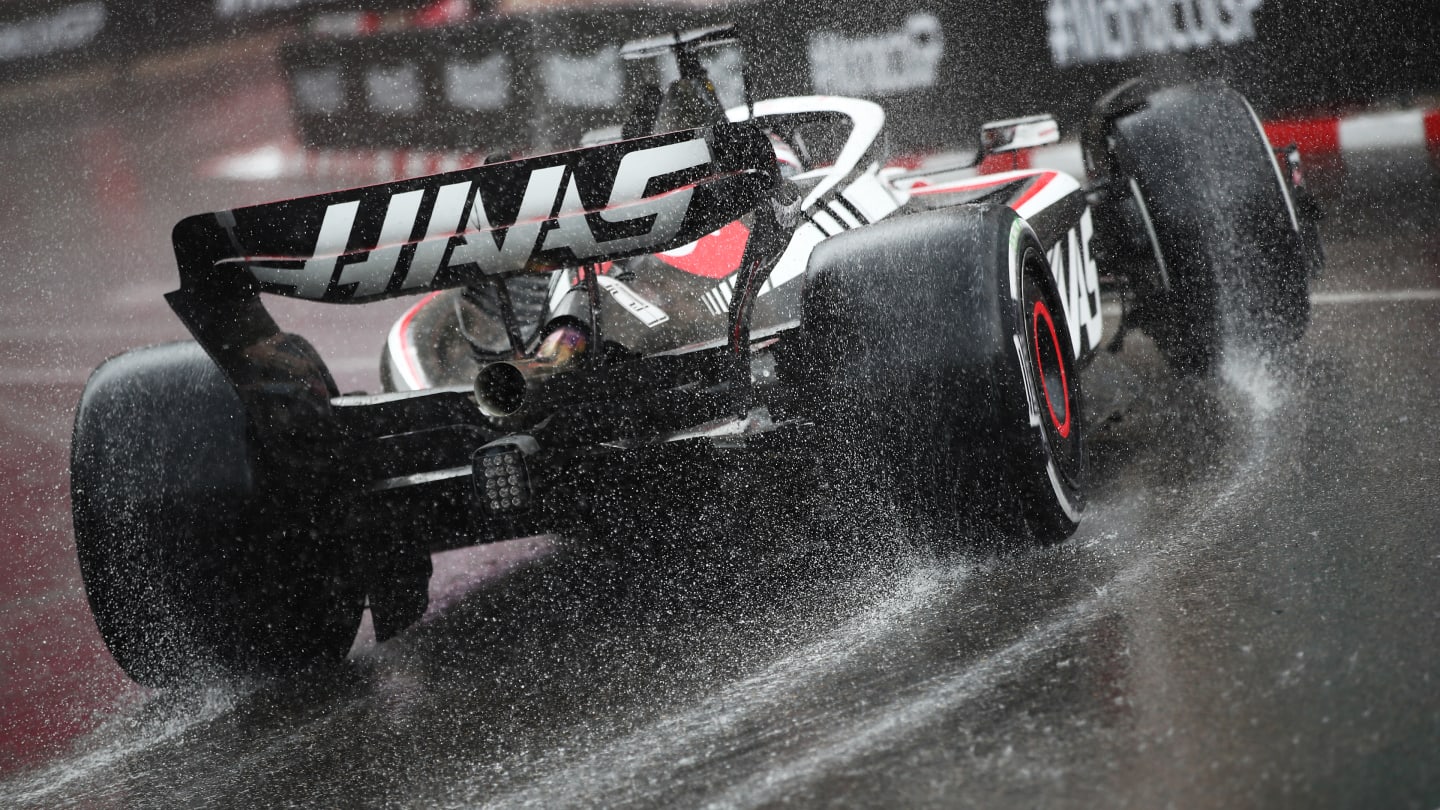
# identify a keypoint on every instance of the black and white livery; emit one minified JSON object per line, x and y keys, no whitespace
{"x":700,"y":285}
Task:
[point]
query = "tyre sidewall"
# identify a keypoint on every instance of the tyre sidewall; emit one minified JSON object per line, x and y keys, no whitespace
{"x":165,"y":504}
{"x":925,"y":360}
{"x":1055,"y":469}
{"x":1224,"y":219}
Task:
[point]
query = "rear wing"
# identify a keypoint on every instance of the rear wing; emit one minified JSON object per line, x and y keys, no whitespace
{"x":604,"y":202}
{"x":644,"y":195}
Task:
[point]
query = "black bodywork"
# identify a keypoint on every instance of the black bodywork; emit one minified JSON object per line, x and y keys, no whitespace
{"x":407,"y":460}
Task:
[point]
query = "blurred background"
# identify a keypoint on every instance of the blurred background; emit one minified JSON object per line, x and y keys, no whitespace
{"x":475,"y":75}
{"x":119,"y":117}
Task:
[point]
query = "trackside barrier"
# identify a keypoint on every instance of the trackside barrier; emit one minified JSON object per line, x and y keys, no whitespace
{"x":940,"y":68}
{"x":39,"y":37}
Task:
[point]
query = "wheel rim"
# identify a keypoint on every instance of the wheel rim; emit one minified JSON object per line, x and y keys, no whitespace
{"x":1056,"y":395}
{"x":1050,"y":363}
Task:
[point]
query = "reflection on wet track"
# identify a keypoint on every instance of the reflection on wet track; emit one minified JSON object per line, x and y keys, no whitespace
{"x":1247,"y":617}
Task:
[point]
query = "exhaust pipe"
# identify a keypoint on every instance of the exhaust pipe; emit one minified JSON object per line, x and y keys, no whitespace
{"x":503,"y":389}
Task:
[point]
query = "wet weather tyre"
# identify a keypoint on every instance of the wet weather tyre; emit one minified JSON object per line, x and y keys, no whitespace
{"x":1232,"y":263}
{"x":940,"y":365}
{"x":184,"y":576}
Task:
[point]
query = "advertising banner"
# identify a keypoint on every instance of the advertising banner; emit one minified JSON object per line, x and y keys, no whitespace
{"x":940,"y":68}
{"x":448,"y":88}
{"x":36,"y":37}
{"x":45,"y":36}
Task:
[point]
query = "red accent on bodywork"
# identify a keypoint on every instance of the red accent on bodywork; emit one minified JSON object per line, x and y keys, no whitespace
{"x":405,"y":333}
{"x":1005,"y":162}
{"x":603,"y":268}
{"x":1041,"y":181}
{"x":714,"y":255}
{"x":1035,"y":182}
{"x":907,"y":162}
{"x":923,"y":187}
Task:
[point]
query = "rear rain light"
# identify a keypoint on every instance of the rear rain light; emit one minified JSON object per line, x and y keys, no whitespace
{"x":502,"y":480}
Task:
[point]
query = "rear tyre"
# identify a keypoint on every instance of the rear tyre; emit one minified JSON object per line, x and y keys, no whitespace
{"x":1231,"y":263}
{"x":184,"y":573}
{"x":940,"y":364}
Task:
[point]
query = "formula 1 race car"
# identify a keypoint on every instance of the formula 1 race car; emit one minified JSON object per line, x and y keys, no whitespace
{"x":705,"y":286}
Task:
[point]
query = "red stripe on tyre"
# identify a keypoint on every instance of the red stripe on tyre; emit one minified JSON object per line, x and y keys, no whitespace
{"x":1042,"y":311}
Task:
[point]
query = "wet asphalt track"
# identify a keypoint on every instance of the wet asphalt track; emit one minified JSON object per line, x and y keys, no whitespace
{"x":1249,"y":616}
